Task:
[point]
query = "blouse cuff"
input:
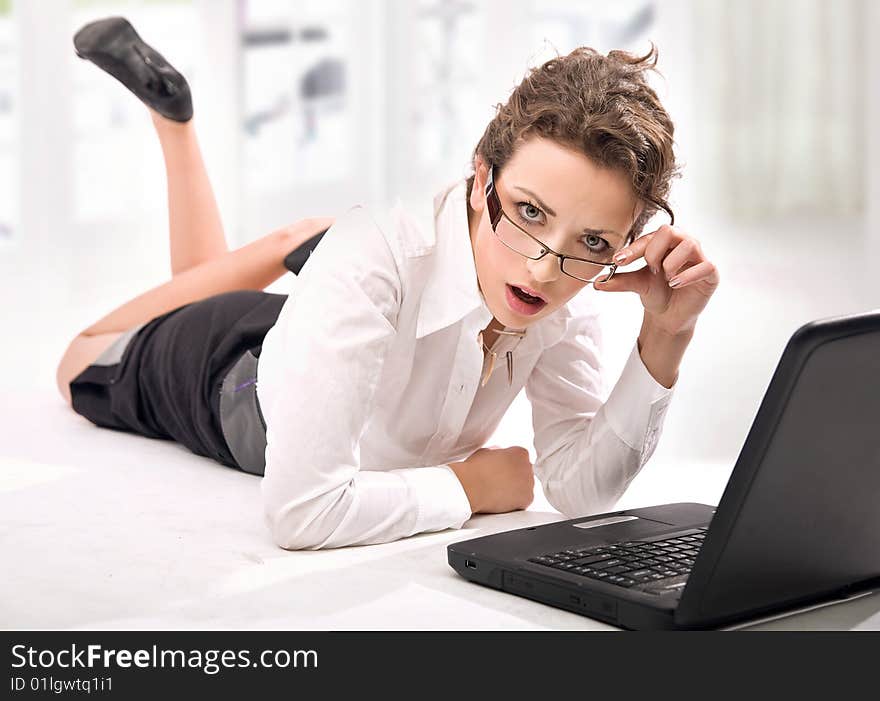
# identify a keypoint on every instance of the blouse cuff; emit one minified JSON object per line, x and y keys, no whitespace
{"x":441,"y":500}
{"x":637,"y":405}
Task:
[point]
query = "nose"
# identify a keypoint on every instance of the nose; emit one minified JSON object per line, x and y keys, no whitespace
{"x":544,"y":270}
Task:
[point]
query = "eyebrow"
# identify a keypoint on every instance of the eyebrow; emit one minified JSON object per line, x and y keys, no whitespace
{"x":549,"y":210}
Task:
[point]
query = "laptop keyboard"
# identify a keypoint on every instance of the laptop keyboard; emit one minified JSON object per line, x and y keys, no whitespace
{"x":629,"y":564}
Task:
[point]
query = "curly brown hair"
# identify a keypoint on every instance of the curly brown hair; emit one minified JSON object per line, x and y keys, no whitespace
{"x":603,"y":107}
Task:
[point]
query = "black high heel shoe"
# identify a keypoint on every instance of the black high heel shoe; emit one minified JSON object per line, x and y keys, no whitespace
{"x":114,"y":46}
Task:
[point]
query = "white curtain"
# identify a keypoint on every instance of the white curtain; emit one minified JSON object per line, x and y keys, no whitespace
{"x":780,"y":105}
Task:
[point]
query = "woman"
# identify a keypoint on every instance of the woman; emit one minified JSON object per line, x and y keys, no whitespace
{"x":402,"y":344}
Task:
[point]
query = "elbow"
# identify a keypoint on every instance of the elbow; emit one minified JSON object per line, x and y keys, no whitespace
{"x":578,"y":498}
{"x":290,"y":530}
{"x":286,"y":540}
{"x":305,"y":523}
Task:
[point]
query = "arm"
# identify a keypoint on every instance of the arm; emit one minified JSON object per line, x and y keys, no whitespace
{"x":674,"y":288}
{"x":588,"y":451}
{"x":317,"y":389}
{"x":661,"y":352}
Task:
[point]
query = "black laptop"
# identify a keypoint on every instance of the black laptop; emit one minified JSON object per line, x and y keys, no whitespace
{"x":798,"y":523}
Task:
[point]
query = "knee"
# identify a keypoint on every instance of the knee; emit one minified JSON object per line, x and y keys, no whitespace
{"x":64,"y":373}
{"x":81,"y":351}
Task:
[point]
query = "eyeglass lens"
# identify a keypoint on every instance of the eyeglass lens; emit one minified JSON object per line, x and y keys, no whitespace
{"x":523,"y":244}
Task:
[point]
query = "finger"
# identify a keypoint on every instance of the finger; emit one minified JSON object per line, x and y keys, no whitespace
{"x":665,"y":239}
{"x":688,"y":251}
{"x":636,"y":281}
{"x":701,"y":272}
{"x":638,"y":247}
{"x":634,"y":251}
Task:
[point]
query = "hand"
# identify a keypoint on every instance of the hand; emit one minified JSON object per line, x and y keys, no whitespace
{"x":676,"y":283}
{"x":497,"y":480}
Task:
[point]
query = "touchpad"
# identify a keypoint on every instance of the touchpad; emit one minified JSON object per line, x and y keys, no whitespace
{"x":621,"y":527}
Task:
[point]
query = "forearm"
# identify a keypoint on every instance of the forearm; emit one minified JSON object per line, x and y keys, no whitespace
{"x":375,"y":506}
{"x":661,"y":352}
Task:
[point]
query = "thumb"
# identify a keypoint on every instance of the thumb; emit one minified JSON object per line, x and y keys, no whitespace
{"x":636,"y":281}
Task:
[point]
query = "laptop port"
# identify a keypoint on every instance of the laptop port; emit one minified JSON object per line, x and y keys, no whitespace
{"x":471,"y":564}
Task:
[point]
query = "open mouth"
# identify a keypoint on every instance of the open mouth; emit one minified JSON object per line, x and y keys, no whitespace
{"x":523,"y":302}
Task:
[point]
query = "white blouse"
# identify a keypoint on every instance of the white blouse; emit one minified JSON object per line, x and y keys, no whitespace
{"x":369,"y":384}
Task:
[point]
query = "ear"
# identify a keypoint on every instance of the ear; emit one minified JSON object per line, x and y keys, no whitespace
{"x":478,"y":191}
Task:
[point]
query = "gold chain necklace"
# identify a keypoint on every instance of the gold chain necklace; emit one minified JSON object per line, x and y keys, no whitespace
{"x":493,"y":355}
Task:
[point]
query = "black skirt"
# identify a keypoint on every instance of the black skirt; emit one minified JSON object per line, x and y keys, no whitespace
{"x":183,"y":375}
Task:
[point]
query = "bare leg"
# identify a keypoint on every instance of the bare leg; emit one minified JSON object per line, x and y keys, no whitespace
{"x":251,"y":267}
{"x":194,"y":227}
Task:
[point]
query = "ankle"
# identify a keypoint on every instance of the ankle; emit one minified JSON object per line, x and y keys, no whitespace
{"x":165,"y":124}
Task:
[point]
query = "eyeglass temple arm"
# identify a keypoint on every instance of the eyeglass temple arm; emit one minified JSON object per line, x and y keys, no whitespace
{"x":492,"y":201}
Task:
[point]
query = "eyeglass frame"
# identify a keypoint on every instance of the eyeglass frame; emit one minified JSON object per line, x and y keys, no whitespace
{"x":496,"y":212}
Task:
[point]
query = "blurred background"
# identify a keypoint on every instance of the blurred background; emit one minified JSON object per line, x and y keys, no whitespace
{"x":306,"y":108}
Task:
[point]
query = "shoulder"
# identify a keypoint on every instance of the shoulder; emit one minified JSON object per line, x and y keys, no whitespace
{"x":411,"y":227}
{"x":398,"y":232}
{"x":357,"y":241}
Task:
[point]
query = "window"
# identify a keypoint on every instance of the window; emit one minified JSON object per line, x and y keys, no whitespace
{"x":297,"y":107}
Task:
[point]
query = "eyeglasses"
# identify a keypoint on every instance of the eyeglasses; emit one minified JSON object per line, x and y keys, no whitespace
{"x":597,"y":268}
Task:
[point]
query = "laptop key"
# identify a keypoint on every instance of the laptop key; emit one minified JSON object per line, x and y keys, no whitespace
{"x":605,"y":564}
{"x":592,"y":559}
{"x":618,"y":570}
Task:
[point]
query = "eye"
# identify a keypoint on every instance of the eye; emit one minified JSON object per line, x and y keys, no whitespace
{"x":529,"y":213}
{"x":595,"y":243}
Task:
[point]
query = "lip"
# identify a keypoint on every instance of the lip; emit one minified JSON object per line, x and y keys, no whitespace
{"x":530,"y":291}
{"x":520,"y":307}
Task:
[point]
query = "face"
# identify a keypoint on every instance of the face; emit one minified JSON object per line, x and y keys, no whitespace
{"x":562,"y":198}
